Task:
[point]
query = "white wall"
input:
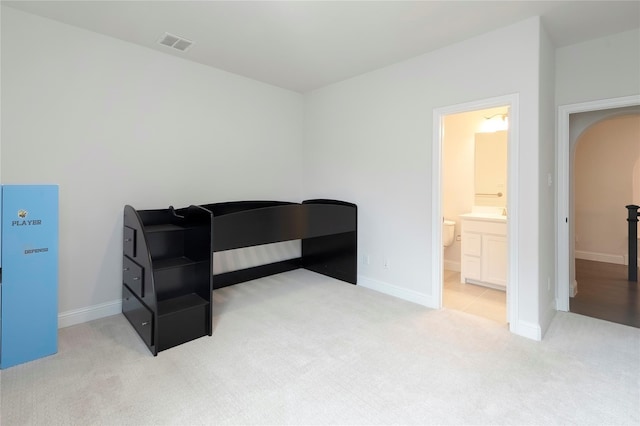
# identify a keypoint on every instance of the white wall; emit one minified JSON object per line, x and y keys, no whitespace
{"x":603,"y":68}
{"x":369,"y":140}
{"x":114,"y":123}
{"x":546,"y":183}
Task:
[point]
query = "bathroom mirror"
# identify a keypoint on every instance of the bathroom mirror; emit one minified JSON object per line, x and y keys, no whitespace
{"x":490,"y":177}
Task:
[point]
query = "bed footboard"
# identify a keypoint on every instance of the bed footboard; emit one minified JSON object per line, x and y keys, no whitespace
{"x":330,"y":245}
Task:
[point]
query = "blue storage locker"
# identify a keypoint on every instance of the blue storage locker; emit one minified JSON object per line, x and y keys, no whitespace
{"x":29,"y":301}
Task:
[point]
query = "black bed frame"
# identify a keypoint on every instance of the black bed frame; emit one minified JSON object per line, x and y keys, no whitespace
{"x":168,"y":257}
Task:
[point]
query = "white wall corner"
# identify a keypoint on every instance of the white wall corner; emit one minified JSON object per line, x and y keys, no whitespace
{"x":547,"y":317}
{"x":90,"y":313}
{"x":527,"y":329}
{"x":399,"y":292}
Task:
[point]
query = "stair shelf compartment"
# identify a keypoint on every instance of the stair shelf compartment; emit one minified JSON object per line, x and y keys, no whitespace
{"x":167,"y":275}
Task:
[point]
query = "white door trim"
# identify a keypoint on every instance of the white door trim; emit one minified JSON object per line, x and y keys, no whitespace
{"x":563,"y":192}
{"x":512,"y":203}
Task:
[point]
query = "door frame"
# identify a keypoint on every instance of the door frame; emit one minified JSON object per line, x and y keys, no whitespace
{"x":564,"y":279}
{"x":512,"y":101}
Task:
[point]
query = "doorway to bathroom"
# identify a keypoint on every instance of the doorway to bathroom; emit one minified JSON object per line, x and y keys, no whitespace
{"x":474,"y":211}
{"x":474,"y":208}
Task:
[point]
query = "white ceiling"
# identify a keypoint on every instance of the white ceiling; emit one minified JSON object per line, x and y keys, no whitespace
{"x":303,"y":45}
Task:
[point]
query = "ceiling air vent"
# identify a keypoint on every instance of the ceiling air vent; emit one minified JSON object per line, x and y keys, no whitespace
{"x":175,"y":42}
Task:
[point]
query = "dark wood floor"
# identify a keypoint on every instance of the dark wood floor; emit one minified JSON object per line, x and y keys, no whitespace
{"x":605,"y":293}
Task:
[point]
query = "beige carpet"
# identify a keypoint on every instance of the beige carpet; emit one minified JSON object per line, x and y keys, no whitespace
{"x":300,"y":348}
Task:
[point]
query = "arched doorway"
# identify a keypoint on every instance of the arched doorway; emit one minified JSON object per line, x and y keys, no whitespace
{"x":583,"y":115}
{"x":603,"y":162}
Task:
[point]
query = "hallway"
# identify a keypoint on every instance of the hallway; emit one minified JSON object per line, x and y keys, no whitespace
{"x":605,"y":293}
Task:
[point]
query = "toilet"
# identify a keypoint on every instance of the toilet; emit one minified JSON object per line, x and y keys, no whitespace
{"x":448,"y":232}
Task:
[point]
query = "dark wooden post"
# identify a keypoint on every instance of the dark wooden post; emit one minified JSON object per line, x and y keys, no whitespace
{"x":633,"y":242}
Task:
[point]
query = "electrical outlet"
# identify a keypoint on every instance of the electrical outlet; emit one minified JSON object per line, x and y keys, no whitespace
{"x":458,"y":237}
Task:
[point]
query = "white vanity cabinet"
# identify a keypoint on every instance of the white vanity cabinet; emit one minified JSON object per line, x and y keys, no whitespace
{"x":484,"y":250}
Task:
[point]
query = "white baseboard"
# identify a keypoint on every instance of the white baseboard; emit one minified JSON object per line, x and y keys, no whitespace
{"x":528,"y":330}
{"x":90,"y":313}
{"x":451,"y":265}
{"x":600,"y":257}
{"x":395,"y":291}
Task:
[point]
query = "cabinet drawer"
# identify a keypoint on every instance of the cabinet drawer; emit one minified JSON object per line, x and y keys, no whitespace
{"x":138,"y":315}
{"x":471,"y":244}
{"x":133,"y":276}
{"x":129,"y":242}
{"x":484,"y":227}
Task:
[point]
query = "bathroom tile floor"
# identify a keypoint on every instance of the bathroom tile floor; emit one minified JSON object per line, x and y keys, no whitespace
{"x":474,"y":299}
